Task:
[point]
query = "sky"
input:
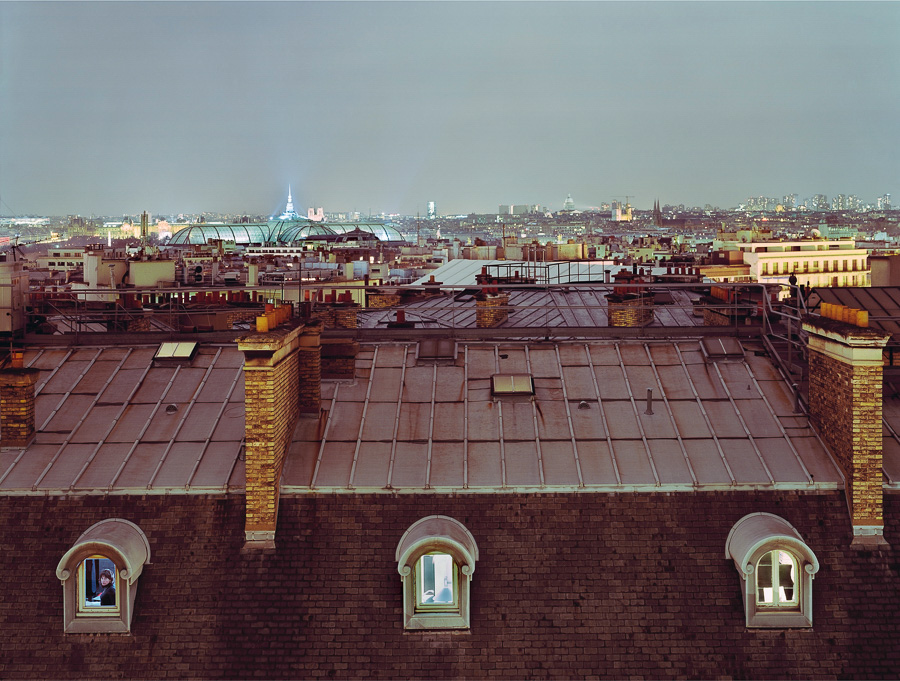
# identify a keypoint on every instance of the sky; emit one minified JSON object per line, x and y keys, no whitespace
{"x":112,"y":108}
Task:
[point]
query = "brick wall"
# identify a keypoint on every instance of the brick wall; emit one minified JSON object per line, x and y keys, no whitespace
{"x":643,"y":592}
{"x":845,"y":404}
{"x":491,"y":310}
{"x":17,"y":406}
{"x":630,"y":311}
{"x":382,"y":300}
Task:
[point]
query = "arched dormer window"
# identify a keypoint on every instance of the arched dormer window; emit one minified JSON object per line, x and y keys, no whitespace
{"x":436,"y":559}
{"x":776,"y":568}
{"x":99,"y":577}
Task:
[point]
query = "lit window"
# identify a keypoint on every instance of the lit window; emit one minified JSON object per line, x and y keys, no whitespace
{"x":776,"y":568}
{"x":436,"y":560}
{"x":99,"y":576}
{"x":776,"y":574}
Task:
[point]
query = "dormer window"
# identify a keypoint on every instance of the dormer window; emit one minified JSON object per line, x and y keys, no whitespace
{"x":512,"y":384}
{"x":436,"y":559}
{"x":99,"y":577}
{"x":776,"y":568}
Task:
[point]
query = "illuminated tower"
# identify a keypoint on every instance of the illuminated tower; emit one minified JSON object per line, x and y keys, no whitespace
{"x":289,"y":212}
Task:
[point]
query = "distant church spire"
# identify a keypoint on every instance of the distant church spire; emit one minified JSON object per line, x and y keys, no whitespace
{"x":290,"y":204}
{"x":289,"y":212}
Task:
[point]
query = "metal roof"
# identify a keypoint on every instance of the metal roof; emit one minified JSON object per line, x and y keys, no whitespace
{"x":110,"y":420}
{"x":408,"y":425}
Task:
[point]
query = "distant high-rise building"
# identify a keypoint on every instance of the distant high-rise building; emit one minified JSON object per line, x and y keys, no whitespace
{"x":820,"y":202}
{"x":789,"y":201}
{"x":884,"y":202}
{"x":431,"y":214}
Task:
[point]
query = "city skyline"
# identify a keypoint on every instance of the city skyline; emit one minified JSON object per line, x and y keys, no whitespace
{"x":113,"y":108}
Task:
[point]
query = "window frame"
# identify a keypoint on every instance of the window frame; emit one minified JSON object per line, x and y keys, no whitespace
{"x":751,"y":538}
{"x":121,"y":542}
{"x":436,"y":534}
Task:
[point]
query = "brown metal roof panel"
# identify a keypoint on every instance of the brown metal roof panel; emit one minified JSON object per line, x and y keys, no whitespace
{"x":816,"y":459}
{"x":140,"y":358}
{"x":447,"y":464}
{"x":544,"y":363}
{"x":633,"y":354}
{"x":372,"y":465}
{"x":104,"y":465}
{"x":548,"y":389}
{"x":218,"y":384}
{"x":121,"y":386}
{"x":45,"y":360}
{"x":449,"y":421}
{"x":65,"y":379}
{"x":779,"y":397}
{"x":131,"y":423}
{"x":410,"y":465}
{"x":381,"y":417}
{"x":781,"y":460}
{"x":480,"y":361}
{"x":385,"y":384}
{"x":393,"y":355}
{"x":691,"y":353}
{"x":518,"y":420}
{"x":63,"y":471}
{"x":724,"y":419}
{"x":758,"y":418}
{"x":552,"y":420}
{"x":300,"y":463}
{"x":559,"y":465}
{"x":670,"y":462}
{"x":97,"y":424}
{"x":707,"y":462}
{"x":216,"y":465}
{"x":706,"y":382}
{"x":484,"y":464}
{"x":572,"y":354}
{"x":43,"y":407}
{"x":634,"y":465}
{"x":587,"y":420}
{"x":418,"y":384}
{"x":26,"y":472}
{"x":674,"y":382}
{"x":334,"y":469}
{"x":153,"y":386}
{"x":762,"y":367}
{"x":689,"y":421}
{"x":309,"y":427}
{"x":200,"y":423}
{"x":353,"y":392}
{"x":596,"y":463}
{"x":238,"y":479}
{"x":738,"y":380}
{"x":610,"y":382}
{"x":140,"y":467}
{"x":604,"y":354}
{"x":641,"y":378}
{"x":450,"y":384}
{"x":658,"y":424}
{"x":664,"y":354}
{"x":69,"y":414}
{"x":522,"y":464}
{"x":744,"y":462}
{"x":237,"y":394}
{"x":344,"y":420}
{"x":163,"y":425}
{"x":620,"y":419}
{"x":415,"y":421}
{"x":179,"y":464}
{"x":891,"y":459}
{"x":512,"y":361}
{"x":185,"y":386}
{"x":483,"y":421}
{"x":96,"y":377}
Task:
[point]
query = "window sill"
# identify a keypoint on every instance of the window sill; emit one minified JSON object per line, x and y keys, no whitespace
{"x":444,"y":620}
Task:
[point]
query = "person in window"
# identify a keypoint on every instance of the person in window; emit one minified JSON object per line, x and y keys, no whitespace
{"x":107,"y":592}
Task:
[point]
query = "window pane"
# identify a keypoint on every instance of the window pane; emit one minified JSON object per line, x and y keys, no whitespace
{"x":764,"y":579}
{"x":435,"y":583}
{"x":99,"y":579}
{"x":786,"y":577}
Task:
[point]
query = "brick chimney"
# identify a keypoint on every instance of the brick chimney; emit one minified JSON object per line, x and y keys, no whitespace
{"x":17,"y":403}
{"x":845,"y":403}
{"x":280,"y":366}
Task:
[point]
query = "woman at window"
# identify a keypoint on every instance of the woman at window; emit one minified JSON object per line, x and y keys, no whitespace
{"x":107,"y":592}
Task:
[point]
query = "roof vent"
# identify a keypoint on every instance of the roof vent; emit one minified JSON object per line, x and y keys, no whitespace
{"x":436,"y":348}
{"x":175,"y":353}
{"x":512,"y":384}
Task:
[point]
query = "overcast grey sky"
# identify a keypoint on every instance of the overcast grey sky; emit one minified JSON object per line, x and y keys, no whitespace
{"x":112,"y":108}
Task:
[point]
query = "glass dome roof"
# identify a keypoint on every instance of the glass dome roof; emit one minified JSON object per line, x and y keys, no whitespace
{"x":240,"y":233}
{"x":279,"y":231}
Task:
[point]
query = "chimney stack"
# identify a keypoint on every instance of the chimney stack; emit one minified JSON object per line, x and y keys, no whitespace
{"x":845,"y":403}
{"x":17,"y":402}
